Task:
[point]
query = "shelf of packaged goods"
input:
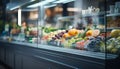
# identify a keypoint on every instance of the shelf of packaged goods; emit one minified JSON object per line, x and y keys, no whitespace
{"x":110,"y":29}
{"x":113,"y":14}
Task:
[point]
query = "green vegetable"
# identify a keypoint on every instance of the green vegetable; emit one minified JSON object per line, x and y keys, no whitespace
{"x":84,"y":34}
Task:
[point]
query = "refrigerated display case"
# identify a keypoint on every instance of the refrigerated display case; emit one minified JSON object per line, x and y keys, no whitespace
{"x":80,"y":30}
{"x":22,"y":25}
{"x":78,"y":26}
{"x":84,"y":26}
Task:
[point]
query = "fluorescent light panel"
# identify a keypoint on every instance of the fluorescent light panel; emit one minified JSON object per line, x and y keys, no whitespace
{"x":19,"y":17}
{"x":50,"y":6}
{"x":41,"y":3}
{"x":67,"y":1}
{"x":32,"y":0}
{"x":64,"y":1}
{"x":15,"y":7}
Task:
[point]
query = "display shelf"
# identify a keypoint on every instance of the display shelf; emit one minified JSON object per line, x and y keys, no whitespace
{"x":83,"y":15}
{"x":94,"y":14}
{"x":113,"y":14}
{"x":66,"y":17}
{"x":109,"y":29}
{"x":114,"y":28}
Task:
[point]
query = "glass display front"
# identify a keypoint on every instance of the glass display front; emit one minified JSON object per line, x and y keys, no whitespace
{"x":88,"y":25}
{"x":91,"y":26}
{"x":113,"y":28}
{"x":22,"y":25}
{"x":74,"y":25}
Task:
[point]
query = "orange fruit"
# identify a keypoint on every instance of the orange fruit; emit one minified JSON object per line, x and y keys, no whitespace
{"x":89,"y":33}
{"x":93,"y":33}
{"x":73,"y":32}
{"x":66,"y":35}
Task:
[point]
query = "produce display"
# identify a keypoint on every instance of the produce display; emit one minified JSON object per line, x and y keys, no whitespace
{"x":88,"y":39}
{"x":113,"y":43}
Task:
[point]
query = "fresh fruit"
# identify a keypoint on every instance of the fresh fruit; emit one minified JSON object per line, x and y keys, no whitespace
{"x":109,"y":48}
{"x":80,"y":45}
{"x":78,"y":39}
{"x":72,"y":40}
{"x":66,"y":35}
{"x":54,"y":38}
{"x":114,"y":50}
{"x":118,"y":38}
{"x":84,"y":34}
{"x":57,"y":36}
{"x":95,"y":32}
{"x":61,"y":34}
{"x":73,"y":32}
{"x":102,"y":46}
{"x":89,"y":33}
{"x":117,"y":46}
{"x":113,"y":45}
{"x":67,"y":44}
{"x":81,"y":31}
{"x":115,"y":33}
{"x":45,"y":37}
{"x":94,"y":44}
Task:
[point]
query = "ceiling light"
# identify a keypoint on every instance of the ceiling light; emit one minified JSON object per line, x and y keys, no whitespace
{"x":41,"y":3}
{"x":14,"y":7}
{"x":64,"y":1}
{"x":19,"y":17}
{"x":48,"y":6}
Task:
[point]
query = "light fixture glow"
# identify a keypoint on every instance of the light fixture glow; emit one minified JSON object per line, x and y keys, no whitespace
{"x":19,"y":17}
{"x":50,"y":6}
{"x":60,"y":1}
{"x":14,"y":8}
{"x":64,"y":1}
{"x":32,"y":0}
{"x":67,"y":1}
{"x":41,"y":3}
{"x":73,"y":9}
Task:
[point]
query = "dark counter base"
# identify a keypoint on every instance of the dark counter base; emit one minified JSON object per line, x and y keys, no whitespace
{"x":113,"y":64}
{"x":5,"y":66}
{"x":25,"y":57}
